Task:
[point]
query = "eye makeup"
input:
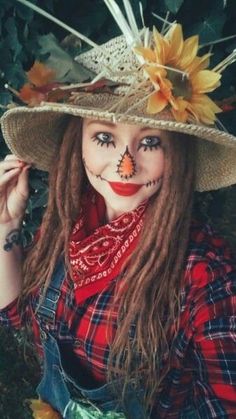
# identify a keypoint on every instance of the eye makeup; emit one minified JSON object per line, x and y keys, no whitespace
{"x":103,"y":138}
{"x":150,"y":143}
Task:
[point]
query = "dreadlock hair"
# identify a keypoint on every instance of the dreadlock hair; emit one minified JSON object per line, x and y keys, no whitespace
{"x":66,"y":183}
{"x":149,"y":296}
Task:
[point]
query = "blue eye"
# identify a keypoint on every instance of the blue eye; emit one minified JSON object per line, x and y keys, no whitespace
{"x":150,"y":143}
{"x":104,"y":138}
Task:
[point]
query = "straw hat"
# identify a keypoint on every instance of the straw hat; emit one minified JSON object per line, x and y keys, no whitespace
{"x":123,"y":95}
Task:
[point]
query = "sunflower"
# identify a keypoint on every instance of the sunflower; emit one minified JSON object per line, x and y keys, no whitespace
{"x":180,"y":78}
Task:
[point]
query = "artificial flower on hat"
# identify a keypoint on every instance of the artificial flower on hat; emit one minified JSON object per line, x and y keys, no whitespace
{"x":180,"y":78}
{"x":41,"y":80}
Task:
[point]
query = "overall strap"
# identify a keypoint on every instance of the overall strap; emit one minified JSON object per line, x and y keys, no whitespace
{"x":46,"y":310}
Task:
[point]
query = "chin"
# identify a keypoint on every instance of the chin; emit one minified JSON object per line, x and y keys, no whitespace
{"x":121,"y":205}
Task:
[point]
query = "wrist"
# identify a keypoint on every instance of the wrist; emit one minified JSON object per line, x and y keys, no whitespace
{"x":10,"y":235}
{"x":10,"y":225}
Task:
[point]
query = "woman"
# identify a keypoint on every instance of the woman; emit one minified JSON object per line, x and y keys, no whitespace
{"x":132,"y":302}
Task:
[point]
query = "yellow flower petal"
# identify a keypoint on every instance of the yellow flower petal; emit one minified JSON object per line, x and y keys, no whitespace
{"x":181,"y":104}
{"x":176,"y":42}
{"x":205,"y":81}
{"x":155,"y":76}
{"x":180,"y":116}
{"x":155,"y":72}
{"x":161,"y":47}
{"x":204,"y":108}
{"x":205,"y":116}
{"x":165,"y":86}
{"x":156,"y":103}
{"x":173,"y":102}
{"x":205,"y":101}
{"x":189,"y":52}
{"x":147,"y":53}
{"x":198,"y":64}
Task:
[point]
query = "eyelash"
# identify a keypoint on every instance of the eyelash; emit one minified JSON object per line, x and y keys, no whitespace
{"x":150,"y":147}
{"x":100,"y":142}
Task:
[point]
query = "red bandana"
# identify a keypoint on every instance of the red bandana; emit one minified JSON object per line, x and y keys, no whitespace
{"x":97,"y":252}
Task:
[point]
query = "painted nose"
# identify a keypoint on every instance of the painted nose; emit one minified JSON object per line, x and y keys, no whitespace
{"x":126,"y":167}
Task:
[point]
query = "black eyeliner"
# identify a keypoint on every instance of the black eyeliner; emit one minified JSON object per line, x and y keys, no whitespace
{"x":101,"y":143}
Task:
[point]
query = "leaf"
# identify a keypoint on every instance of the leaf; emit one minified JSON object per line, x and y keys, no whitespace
{"x":174,"y":5}
{"x":68,"y":70}
{"x":12,"y":37}
{"x":210,"y":28}
{"x":4,"y":7}
{"x":5,"y":98}
{"x":25,"y":13}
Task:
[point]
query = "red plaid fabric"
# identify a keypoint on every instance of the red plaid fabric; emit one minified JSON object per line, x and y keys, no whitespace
{"x":203,"y":362}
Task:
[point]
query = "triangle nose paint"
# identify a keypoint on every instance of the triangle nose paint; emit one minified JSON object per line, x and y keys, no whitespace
{"x":126,"y":167}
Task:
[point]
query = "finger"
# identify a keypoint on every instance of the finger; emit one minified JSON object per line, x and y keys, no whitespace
{"x":10,"y":164}
{"x":13,"y":157}
{"x":8,"y":176}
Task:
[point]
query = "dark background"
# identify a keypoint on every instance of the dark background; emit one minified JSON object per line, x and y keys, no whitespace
{"x":20,"y":33}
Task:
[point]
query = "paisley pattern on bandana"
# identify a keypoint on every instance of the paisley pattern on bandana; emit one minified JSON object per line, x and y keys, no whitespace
{"x":98,"y":251}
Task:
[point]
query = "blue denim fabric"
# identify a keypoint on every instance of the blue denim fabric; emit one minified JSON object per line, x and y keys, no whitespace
{"x":57,"y":387}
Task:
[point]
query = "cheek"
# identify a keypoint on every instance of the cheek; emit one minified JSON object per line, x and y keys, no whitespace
{"x":155,"y":164}
{"x":99,"y":158}
{"x":93,"y":163}
{"x":91,"y":156}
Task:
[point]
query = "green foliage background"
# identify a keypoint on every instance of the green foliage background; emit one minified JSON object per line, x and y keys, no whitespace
{"x":20,"y":33}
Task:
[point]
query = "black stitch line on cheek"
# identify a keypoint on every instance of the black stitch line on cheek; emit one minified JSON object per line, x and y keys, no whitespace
{"x":153,"y":182}
{"x":90,"y":171}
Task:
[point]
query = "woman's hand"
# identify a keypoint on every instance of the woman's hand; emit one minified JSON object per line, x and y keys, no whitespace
{"x":14,"y":189}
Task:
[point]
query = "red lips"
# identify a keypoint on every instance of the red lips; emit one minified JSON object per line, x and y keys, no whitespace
{"x":124,"y":189}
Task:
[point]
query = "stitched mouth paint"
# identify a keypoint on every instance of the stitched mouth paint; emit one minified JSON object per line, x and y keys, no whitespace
{"x":125,"y":189}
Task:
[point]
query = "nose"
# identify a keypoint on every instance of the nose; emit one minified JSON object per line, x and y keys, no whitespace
{"x":126,"y":167}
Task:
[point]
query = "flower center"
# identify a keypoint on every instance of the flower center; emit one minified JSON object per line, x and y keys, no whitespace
{"x":181,"y":84}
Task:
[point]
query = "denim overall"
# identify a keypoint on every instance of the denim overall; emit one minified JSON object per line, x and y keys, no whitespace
{"x":58,"y":388}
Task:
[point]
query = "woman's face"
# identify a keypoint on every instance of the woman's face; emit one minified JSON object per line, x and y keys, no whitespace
{"x":124,"y":163}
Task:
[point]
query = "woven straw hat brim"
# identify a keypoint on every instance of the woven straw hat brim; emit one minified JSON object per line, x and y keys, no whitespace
{"x":34,"y":135}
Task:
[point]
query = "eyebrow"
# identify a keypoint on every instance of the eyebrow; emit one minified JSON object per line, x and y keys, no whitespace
{"x":112,"y":125}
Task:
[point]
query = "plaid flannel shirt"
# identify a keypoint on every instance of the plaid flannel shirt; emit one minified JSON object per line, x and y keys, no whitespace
{"x":203,"y":357}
